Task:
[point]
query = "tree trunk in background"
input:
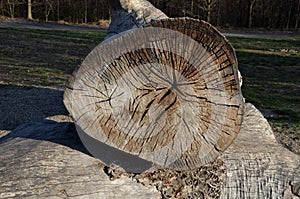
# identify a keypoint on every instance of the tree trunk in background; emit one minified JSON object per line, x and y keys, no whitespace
{"x":85,"y":11}
{"x":29,"y":15}
{"x":250,"y":12}
{"x":298,"y":16}
{"x":48,"y":9}
{"x":192,"y":6}
{"x":11,"y":6}
{"x":209,"y":8}
{"x":58,"y":10}
{"x":270,"y":10}
{"x":219,"y":13}
{"x":234,"y":13}
{"x":289,"y":14}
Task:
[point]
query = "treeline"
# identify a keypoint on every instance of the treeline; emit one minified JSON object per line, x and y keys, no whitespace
{"x":75,"y":11}
{"x":275,"y":14}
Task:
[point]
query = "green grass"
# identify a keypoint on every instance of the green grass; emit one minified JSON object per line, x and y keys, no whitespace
{"x":32,"y":57}
{"x":271,"y":75}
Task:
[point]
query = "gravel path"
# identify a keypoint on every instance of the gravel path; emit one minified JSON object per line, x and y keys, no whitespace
{"x":49,"y":26}
{"x":226,"y":32}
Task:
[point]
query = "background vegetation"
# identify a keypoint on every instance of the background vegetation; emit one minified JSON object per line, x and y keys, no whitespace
{"x":274,"y":14}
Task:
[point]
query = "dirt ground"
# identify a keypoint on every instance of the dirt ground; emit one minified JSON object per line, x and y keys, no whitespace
{"x":19,"y":106}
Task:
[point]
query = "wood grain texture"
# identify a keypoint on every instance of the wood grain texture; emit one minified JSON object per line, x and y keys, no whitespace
{"x":168,"y":93}
{"x":257,"y":166}
{"x":47,"y":160}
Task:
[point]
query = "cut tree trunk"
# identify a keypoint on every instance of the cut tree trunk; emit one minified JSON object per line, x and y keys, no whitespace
{"x":47,"y":159}
{"x":131,"y":14}
{"x":168,"y":92}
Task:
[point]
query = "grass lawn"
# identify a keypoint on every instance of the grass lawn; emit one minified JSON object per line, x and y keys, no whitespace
{"x":271,"y":75}
{"x":270,"y":67}
{"x":33,"y":58}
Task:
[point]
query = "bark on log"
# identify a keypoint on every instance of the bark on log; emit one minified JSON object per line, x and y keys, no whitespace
{"x":167,"y":92}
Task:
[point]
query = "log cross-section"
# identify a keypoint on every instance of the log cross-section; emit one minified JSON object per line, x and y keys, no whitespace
{"x":167,"y":92}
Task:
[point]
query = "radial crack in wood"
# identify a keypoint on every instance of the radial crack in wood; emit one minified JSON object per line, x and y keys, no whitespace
{"x":168,"y":93}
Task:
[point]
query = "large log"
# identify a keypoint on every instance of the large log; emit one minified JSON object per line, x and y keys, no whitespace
{"x":47,"y":159}
{"x":257,"y":166}
{"x":127,"y":15}
{"x":167,"y":92}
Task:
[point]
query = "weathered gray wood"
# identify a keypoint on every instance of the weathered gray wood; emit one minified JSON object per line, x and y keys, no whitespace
{"x":131,"y":14}
{"x":168,"y":93}
{"x":257,"y":166}
{"x":47,"y":160}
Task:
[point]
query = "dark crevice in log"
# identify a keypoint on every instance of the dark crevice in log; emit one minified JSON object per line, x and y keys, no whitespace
{"x":296,"y":188}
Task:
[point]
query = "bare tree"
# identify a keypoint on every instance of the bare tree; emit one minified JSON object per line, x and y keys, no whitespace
{"x":57,"y":10}
{"x":297,"y":15}
{"x":208,"y":9}
{"x":250,"y":12}
{"x":289,"y":14}
{"x":219,"y":12}
{"x":11,"y":5}
{"x":48,"y":8}
{"x":86,"y":7}
{"x":2,"y":5}
{"x":29,"y":10}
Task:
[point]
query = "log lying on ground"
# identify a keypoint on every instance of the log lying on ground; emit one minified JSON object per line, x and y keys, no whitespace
{"x":168,"y":93}
{"x":131,"y":14}
{"x":47,"y":159}
{"x":257,"y":166}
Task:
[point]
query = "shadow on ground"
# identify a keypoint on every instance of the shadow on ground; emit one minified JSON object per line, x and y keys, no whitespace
{"x":20,"y":105}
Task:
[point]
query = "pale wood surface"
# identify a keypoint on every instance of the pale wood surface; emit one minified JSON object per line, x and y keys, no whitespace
{"x":47,"y":160}
{"x":168,"y":93}
{"x":131,"y":14}
{"x":257,"y":166}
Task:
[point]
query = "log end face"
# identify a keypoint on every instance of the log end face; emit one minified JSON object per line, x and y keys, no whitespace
{"x":168,"y":93}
